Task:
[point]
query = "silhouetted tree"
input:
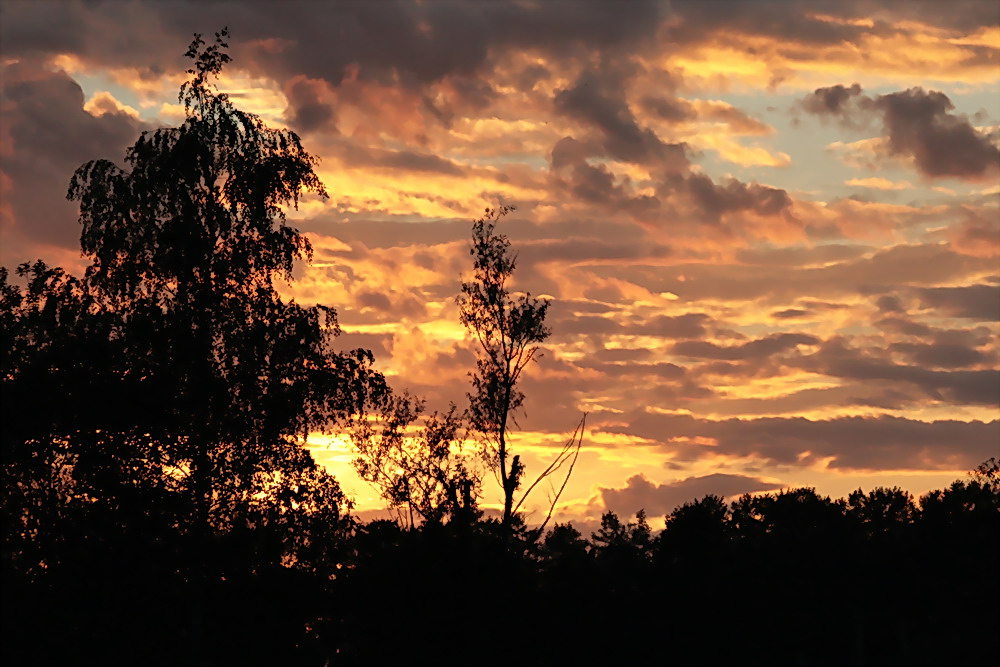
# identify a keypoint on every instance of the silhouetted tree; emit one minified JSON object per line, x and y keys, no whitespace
{"x":795,"y":514}
{"x":987,"y":473}
{"x":564,"y":543}
{"x":166,"y":393}
{"x":62,"y":370}
{"x":697,"y":533}
{"x":418,"y":472}
{"x":186,"y":245}
{"x":959,"y":542}
{"x":970,"y":508}
{"x":507,"y":328}
{"x":881,"y":510}
{"x":628,"y":542}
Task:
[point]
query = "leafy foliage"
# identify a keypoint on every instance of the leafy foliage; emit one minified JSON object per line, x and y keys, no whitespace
{"x":186,"y":246}
{"x":421,"y":473}
{"x":172,"y":381}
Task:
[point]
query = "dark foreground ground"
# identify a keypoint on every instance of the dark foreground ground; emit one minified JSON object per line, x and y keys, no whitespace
{"x":792,"y":578}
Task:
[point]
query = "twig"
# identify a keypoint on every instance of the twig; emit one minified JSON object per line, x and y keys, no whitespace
{"x":569,"y":473}
{"x":568,"y":451}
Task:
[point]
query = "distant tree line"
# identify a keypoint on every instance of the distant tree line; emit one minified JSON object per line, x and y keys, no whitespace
{"x":160,"y":508}
{"x":785,"y":578}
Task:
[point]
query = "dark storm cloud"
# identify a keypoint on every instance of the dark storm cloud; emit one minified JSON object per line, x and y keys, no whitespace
{"x":812,"y":399}
{"x":696,"y":21}
{"x":530,"y":76}
{"x":754,"y":349}
{"x":807,"y":309}
{"x":964,"y":15}
{"x":598,"y":100}
{"x":790,"y":314}
{"x":688,"y":325}
{"x":307,"y":109}
{"x":678,"y":110}
{"x":566,"y":319}
{"x":474,"y":91}
{"x":904,"y":326}
{"x":856,"y":443}
{"x":823,"y":305}
{"x":376,"y":234}
{"x":661,"y":499}
{"x":568,"y":152}
{"x":586,"y":250}
{"x":572,"y":324}
{"x":405,"y":160}
{"x":729,"y":369}
{"x":830,"y":100}
{"x":671,"y":109}
{"x":435,"y":39}
{"x":617,"y":370}
{"x":714,"y":201}
{"x":969,"y":387}
{"x":979,"y":233}
{"x":870,"y":274}
{"x":621,"y":354}
{"x":387,"y":307}
{"x":375,"y":300}
{"x":409,"y":43}
{"x":845,"y":104}
{"x":413,"y":43}
{"x":889,"y":304}
{"x":975,"y":302}
{"x":595,"y":184}
{"x":51,"y":135}
{"x":917,"y":124}
{"x":940,"y":355}
{"x":886,"y":399}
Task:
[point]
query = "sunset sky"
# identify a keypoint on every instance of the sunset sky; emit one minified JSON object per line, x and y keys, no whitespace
{"x":769,"y":230}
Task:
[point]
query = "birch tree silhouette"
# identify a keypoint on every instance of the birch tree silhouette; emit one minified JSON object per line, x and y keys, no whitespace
{"x":508,"y":328}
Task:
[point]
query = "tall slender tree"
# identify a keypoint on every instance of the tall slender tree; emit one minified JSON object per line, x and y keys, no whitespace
{"x":508,"y":328}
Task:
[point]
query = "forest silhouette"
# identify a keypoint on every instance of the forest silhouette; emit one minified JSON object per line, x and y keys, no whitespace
{"x":160,"y":507}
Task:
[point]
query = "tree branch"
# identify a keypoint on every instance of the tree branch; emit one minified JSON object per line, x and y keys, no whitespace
{"x":570,"y":450}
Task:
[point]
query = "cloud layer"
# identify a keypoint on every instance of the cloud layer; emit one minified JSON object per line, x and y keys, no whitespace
{"x":765,"y":271}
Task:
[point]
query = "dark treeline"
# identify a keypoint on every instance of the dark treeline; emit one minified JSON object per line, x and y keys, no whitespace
{"x":792,"y":578}
{"x":159,"y":506}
